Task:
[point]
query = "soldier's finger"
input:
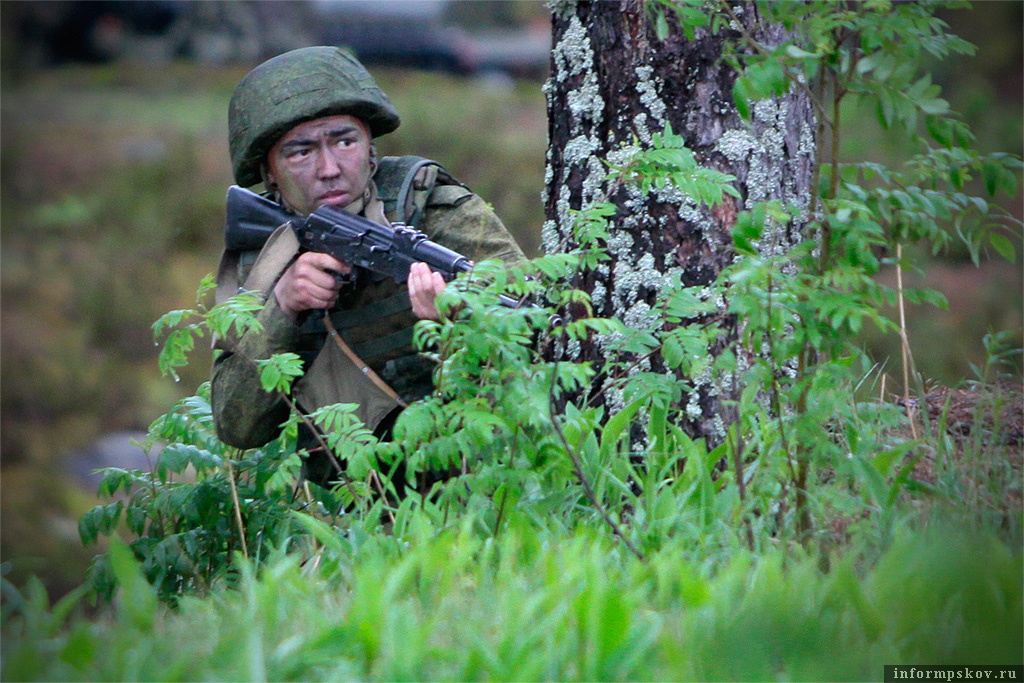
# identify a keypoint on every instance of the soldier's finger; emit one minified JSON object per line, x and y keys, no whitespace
{"x":326,"y":262}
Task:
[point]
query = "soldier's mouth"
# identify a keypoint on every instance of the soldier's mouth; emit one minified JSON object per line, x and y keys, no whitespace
{"x":334,"y":198}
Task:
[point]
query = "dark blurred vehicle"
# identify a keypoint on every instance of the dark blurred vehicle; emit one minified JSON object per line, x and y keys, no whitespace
{"x":42,"y":34}
{"x":409,"y":33}
{"x":520,"y":53}
{"x":51,"y":33}
{"x":424,"y":34}
{"x":420,"y":34}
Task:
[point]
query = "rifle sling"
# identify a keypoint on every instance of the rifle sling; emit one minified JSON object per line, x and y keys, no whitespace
{"x":358,"y":362}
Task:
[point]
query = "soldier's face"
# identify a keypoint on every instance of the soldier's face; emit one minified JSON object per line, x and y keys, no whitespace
{"x":323,"y":161}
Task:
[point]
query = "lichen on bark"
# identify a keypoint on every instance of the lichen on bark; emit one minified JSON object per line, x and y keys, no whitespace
{"x":613,"y":85}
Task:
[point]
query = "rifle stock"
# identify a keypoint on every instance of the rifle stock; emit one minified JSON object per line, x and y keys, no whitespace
{"x":251,"y":219}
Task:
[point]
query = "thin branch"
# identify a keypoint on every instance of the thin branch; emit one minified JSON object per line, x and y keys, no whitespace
{"x":293,"y":407}
{"x":776,"y":389}
{"x":905,"y":354}
{"x":578,"y":469}
{"x":238,"y":508}
{"x":737,"y":451}
{"x":375,"y":479}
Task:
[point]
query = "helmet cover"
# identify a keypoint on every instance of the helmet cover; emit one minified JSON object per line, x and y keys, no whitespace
{"x":294,"y":87}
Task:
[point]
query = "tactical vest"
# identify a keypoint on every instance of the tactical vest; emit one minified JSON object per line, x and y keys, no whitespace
{"x":372,"y":363}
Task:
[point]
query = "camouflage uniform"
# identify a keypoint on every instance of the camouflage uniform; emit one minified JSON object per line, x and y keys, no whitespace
{"x":373,"y":314}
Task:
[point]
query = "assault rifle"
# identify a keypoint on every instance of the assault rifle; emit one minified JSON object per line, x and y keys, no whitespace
{"x":358,"y":241}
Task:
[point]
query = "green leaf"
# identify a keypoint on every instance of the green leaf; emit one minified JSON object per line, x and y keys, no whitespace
{"x":746,"y":232}
{"x":616,"y":425}
{"x":171,"y":319}
{"x":102,"y":519}
{"x":686,"y":303}
{"x":872,"y":479}
{"x":884,"y":461}
{"x":174,"y":353}
{"x":613,"y":621}
{"x":1003,"y":245}
{"x":114,"y":479}
{"x":286,"y":474}
{"x":278,"y":371}
{"x":661,"y":26}
{"x":135,"y":520}
{"x":82,"y":643}
{"x":174,"y":457}
{"x":741,"y":97}
{"x":237,"y":315}
{"x":766,"y":79}
{"x":326,"y":534}
{"x":270,"y":376}
{"x":88,"y":526}
{"x":799,"y":53}
{"x":1008,"y":182}
{"x":137,"y":599}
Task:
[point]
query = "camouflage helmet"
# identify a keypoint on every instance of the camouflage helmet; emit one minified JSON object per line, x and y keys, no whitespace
{"x":294,"y":87}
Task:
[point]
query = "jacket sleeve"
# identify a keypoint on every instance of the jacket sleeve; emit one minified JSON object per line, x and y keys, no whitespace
{"x":246,"y":416}
{"x":463,"y":221}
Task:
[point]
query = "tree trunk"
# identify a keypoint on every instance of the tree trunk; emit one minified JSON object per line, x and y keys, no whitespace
{"x":613,"y":84}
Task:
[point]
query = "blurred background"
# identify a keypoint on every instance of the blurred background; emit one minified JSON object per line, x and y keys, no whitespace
{"x":114,"y":165}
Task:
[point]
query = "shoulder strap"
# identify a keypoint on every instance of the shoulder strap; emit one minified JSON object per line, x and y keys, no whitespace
{"x":277,"y":254}
{"x":227,"y":276}
{"x":405,"y":183}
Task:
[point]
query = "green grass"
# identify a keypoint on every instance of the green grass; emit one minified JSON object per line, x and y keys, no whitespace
{"x":546,"y":606}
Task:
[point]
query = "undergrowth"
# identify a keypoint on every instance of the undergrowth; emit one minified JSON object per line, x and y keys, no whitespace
{"x":833,"y":531}
{"x":536,"y":604}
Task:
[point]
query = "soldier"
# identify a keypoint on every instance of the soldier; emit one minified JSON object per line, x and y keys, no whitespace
{"x":303,"y":124}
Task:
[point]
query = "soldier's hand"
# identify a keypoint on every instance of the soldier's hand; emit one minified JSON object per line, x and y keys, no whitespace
{"x":424,"y":286}
{"x":310,"y":283}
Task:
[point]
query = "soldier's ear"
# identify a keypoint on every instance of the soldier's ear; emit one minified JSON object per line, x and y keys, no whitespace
{"x":270,"y":184}
{"x":269,"y":181}
{"x":373,"y":159}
